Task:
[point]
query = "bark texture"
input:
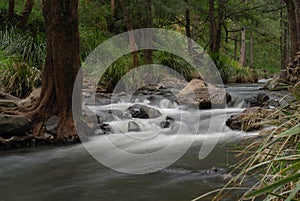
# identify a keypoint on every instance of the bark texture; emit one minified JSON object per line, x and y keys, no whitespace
{"x":25,"y":14}
{"x":61,"y":67}
{"x":243,"y":48}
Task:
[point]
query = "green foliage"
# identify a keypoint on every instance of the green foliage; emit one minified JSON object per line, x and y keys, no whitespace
{"x":231,"y":71}
{"x":176,"y":63}
{"x":31,"y":49}
{"x":19,"y":79}
{"x":90,"y":38}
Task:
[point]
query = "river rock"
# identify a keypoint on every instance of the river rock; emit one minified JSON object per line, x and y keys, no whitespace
{"x":206,"y":95}
{"x":250,"y":119}
{"x":257,"y":100}
{"x":11,"y":125}
{"x":133,"y":127}
{"x":143,"y":112}
{"x":51,"y":124}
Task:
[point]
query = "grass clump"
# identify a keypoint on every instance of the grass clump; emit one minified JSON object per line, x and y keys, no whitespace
{"x":19,"y":79}
{"x":273,"y":159}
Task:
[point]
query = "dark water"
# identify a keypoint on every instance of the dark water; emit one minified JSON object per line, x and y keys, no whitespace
{"x":71,"y":173}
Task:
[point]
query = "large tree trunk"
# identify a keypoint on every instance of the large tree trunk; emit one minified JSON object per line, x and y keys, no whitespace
{"x":61,"y":67}
{"x":11,"y":9}
{"x":243,"y":48}
{"x":25,"y":14}
{"x":292,"y":17}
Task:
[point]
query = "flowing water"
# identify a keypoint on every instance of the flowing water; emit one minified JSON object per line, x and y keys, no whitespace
{"x":71,"y":173}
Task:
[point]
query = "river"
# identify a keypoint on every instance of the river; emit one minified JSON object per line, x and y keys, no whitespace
{"x":71,"y":173}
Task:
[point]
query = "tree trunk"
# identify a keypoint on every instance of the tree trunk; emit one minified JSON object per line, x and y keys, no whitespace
{"x":112,"y":9}
{"x":216,"y":27}
{"x":128,"y":23}
{"x":243,"y":48}
{"x":298,"y":21}
{"x":251,"y":51}
{"x":149,"y":24}
{"x":188,"y":26}
{"x":285,"y":57}
{"x":25,"y":14}
{"x":235,"y":46}
{"x":291,"y":9}
{"x":11,"y":9}
{"x":212,"y":26}
{"x":61,"y":68}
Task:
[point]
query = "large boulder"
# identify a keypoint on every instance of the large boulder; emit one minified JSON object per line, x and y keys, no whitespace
{"x":206,"y":95}
{"x":143,"y":112}
{"x":11,"y":125}
{"x":133,"y":127}
{"x":250,"y":119}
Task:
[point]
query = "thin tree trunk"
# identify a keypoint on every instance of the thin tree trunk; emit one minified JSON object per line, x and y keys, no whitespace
{"x":112,"y":9}
{"x":128,"y":23}
{"x":298,"y":21}
{"x":212,"y":26}
{"x":188,"y":26}
{"x":149,"y":24}
{"x":11,"y":9}
{"x":25,"y":14}
{"x":243,"y":48}
{"x":235,"y":46}
{"x":251,"y":51}
{"x":61,"y":68}
{"x":285,"y":47}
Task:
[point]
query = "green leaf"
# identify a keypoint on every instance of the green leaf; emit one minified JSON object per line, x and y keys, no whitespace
{"x":293,"y":131}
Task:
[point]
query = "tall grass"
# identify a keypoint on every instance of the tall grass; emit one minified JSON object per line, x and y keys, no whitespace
{"x":31,"y":49}
{"x":274,"y":160}
{"x":19,"y":79}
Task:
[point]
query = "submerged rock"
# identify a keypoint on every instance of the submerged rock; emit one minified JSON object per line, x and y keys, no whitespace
{"x":143,"y":112}
{"x":257,"y":100}
{"x":11,"y":125}
{"x":133,"y":127}
{"x":203,"y":94}
{"x":250,"y":119}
